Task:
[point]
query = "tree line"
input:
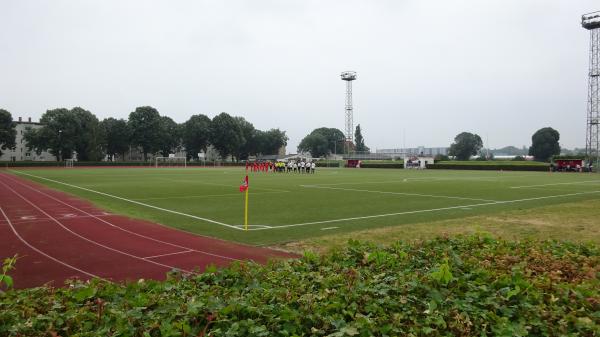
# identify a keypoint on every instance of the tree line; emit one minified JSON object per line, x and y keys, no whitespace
{"x":544,"y":145}
{"x":325,"y":141}
{"x":76,"y":130}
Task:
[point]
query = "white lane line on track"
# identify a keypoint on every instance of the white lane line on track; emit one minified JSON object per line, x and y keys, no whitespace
{"x":428,"y":210}
{"x":555,"y":184}
{"x":396,"y":193}
{"x":126,"y":230}
{"x":62,"y":218}
{"x":129,"y":200}
{"x":169,"y":254}
{"x":43,"y":253}
{"x":90,"y":240}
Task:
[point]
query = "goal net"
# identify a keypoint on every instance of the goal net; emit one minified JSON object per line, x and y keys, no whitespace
{"x":170,"y":162}
{"x":69,"y":163}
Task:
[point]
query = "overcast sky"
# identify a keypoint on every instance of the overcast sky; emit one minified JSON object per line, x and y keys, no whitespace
{"x":427,"y":70}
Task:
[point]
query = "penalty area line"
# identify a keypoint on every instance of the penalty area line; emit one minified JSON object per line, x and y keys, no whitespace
{"x":555,"y":184}
{"x":131,"y":201}
{"x":427,"y":210}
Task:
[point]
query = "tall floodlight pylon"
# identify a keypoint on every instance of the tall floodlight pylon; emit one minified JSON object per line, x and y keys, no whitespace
{"x":349,"y":76}
{"x":591,"y":22}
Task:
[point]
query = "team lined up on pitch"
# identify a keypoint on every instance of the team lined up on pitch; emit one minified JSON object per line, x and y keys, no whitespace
{"x":282,"y":167}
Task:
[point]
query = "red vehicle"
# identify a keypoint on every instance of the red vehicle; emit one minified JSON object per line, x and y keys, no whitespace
{"x":568,"y":165}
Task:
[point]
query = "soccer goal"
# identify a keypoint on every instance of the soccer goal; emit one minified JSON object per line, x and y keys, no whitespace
{"x":69,"y":163}
{"x":170,"y":162}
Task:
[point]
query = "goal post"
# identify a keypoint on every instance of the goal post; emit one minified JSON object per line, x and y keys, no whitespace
{"x":170,"y":162}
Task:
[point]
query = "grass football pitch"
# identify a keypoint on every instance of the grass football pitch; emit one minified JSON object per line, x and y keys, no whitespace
{"x":288,"y":207}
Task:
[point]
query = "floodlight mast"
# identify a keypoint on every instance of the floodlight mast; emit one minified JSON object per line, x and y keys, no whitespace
{"x":349,"y":76}
{"x":591,"y":22}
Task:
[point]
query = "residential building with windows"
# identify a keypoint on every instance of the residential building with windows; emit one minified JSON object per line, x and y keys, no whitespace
{"x":21,"y":152}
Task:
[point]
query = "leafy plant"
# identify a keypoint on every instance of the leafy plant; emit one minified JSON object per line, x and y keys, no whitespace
{"x":464,"y":286}
{"x":7,"y":265}
{"x":442,"y":274}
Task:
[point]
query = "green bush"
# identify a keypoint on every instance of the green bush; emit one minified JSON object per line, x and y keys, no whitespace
{"x":493,"y":162}
{"x":332,"y":163}
{"x":382,"y":165}
{"x":495,"y":167}
{"x":104,"y":163}
{"x":474,"y":286}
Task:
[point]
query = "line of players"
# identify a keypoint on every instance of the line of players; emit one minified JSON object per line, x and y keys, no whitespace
{"x":281,"y":167}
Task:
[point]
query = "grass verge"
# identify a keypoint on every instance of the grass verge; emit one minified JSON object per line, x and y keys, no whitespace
{"x":577,"y":221}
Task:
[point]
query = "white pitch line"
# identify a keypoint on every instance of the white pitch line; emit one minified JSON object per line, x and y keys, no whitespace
{"x":328,"y":228}
{"x":396,"y":193}
{"x":205,"y":196}
{"x":426,"y":210}
{"x":404,"y":180}
{"x":554,"y":184}
{"x":250,"y":226}
{"x":215,"y":184}
{"x":43,"y":253}
{"x":131,"y":201}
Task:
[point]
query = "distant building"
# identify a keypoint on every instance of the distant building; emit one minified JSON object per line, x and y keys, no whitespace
{"x":415,"y":151}
{"x":21,"y":152}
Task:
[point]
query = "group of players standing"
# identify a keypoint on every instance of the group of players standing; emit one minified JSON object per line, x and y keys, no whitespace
{"x":282,"y":167}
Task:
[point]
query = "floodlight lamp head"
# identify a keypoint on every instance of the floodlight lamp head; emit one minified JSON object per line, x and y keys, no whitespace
{"x":348,"y":75}
{"x":591,"y":20}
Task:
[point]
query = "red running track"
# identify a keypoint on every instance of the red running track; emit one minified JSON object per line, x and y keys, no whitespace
{"x":60,"y":237}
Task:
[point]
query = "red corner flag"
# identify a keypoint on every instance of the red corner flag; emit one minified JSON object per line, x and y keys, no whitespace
{"x":244,"y":185}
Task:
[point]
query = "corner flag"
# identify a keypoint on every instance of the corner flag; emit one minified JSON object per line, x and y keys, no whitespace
{"x":244,"y":185}
{"x":244,"y":188}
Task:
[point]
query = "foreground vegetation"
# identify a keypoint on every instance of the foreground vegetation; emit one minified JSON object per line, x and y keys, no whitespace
{"x":470,"y":286}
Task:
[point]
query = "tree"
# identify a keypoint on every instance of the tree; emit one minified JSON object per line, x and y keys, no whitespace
{"x":544,"y":144}
{"x":145,"y":126}
{"x":315,"y":143}
{"x":117,"y":134}
{"x":88,"y":143}
{"x":248,"y":144}
{"x":195,"y":135}
{"x":269,"y":142}
{"x":465,"y":145}
{"x":334,"y":137}
{"x":225,"y":134}
{"x":359,"y":140}
{"x":7,"y":131}
{"x":67,"y":131}
{"x":170,"y":136}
